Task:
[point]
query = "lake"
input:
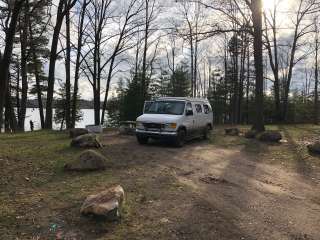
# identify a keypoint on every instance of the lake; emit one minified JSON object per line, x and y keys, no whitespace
{"x":33,"y":114}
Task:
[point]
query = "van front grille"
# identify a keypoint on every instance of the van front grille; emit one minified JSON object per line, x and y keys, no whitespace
{"x":153,"y":126}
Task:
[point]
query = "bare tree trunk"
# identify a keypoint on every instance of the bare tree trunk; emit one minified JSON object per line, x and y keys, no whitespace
{"x":256,"y":8}
{"x":274,"y":59}
{"x":78,"y":63}
{"x":145,"y":49}
{"x":316,"y":76}
{"x":37,"y":77}
{"x":67,"y":67}
{"x":248,"y":85}
{"x":241,"y":79}
{"x":7,"y":54}
{"x":24,"y":70}
{"x":18,"y":87}
{"x":192,"y":66}
{"x":53,"y":58}
{"x":10,"y":117}
{"x":52,"y":65}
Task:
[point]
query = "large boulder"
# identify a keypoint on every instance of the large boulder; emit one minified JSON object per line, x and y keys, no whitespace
{"x":75,"y":132}
{"x":269,"y":136}
{"x":250,"y":134}
{"x":86,"y":141}
{"x":89,"y":160}
{"x":105,"y":204}
{"x":314,"y":148}
{"x":232,"y":131}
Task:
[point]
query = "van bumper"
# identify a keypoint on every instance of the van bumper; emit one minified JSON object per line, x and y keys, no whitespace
{"x":156,"y":134}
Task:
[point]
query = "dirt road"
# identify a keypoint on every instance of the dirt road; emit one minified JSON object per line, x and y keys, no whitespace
{"x":203,"y":191}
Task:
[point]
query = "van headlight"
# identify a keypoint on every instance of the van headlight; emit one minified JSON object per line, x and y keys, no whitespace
{"x":170,"y":126}
{"x":139,"y":125}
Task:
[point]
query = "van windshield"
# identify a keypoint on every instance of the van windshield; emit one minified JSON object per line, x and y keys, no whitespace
{"x":166,"y":107}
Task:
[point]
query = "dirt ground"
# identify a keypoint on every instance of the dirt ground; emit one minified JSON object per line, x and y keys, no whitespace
{"x":224,"y":189}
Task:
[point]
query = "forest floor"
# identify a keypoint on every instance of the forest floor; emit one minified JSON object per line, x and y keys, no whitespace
{"x":223,"y":189}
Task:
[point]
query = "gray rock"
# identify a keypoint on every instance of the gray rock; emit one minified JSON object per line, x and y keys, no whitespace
{"x":232,"y":131}
{"x":269,"y":136}
{"x":105,"y":204}
{"x":86,"y":141}
{"x":314,"y":148}
{"x":75,"y":132}
{"x":250,"y":134}
{"x":89,"y":160}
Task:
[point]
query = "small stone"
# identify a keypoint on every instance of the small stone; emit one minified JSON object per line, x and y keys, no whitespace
{"x":164,"y":220}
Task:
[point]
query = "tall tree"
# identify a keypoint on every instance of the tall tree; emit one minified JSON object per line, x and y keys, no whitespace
{"x":256,"y":9}
{"x":5,"y":59}
{"x":316,"y":73}
{"x":81,"y":27}
{"x":68,"y":70}
{"x":128,"y":24}
{"x":99,"y":15}
{"x":63,"y":7}
{"x":24,"y":34}
{"x":39,"y":52}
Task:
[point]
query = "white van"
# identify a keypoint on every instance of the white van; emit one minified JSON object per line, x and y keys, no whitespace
{"x":174,"y":118}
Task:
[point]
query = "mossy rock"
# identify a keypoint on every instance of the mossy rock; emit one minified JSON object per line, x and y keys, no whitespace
{"x":314,"y":148}
{"x":76,"y":132}
{"x":269,"y":136}
{"x":89,"y":160}
{"x":250,"y":134}
{"x":89,"y":140}
{"x":232,"y":131}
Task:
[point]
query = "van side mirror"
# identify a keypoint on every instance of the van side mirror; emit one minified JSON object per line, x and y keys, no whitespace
{"x":189,"y":112}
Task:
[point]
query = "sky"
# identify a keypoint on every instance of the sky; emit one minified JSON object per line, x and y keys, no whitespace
{"x":209,"y":50}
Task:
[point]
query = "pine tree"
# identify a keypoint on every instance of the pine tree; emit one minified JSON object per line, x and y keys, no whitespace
{"x":39,"y":53}
{"x":179,"y":83}
{"x":60,"y":108}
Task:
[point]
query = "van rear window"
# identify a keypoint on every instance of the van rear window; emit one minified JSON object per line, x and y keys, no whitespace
{"x":206,"y":109}
{"x":198,"y":108}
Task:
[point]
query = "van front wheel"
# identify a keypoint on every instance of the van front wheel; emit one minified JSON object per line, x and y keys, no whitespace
{"x":142,"y":140}
{"x":180,"y":138}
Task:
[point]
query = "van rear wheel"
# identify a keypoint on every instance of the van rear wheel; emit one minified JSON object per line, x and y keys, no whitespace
{"x":180,"y":139}
{"x":206,"y":132}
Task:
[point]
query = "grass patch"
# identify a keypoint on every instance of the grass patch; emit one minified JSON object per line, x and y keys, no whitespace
{"x":292,"y":152}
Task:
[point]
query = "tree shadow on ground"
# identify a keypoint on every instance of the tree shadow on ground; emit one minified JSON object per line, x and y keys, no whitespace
{"x":302,"y":165}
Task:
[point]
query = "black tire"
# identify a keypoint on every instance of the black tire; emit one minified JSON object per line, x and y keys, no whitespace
{"x":180,"y":139}
{"x":143,"y":140}
{"x":206,"y":132}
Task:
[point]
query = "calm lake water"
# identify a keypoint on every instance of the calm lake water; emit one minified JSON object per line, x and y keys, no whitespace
{"x":33,"y":114}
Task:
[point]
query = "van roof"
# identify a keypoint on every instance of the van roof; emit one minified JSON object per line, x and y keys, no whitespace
{"x":184,"y":99}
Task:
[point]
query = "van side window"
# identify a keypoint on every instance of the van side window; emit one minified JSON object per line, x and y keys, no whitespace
{"x":206,"y":109}
{"x":198,"y":108}
{"x":189,"y":109}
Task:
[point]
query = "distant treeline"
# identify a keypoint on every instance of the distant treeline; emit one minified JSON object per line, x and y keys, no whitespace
{"x":83,"y":104}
